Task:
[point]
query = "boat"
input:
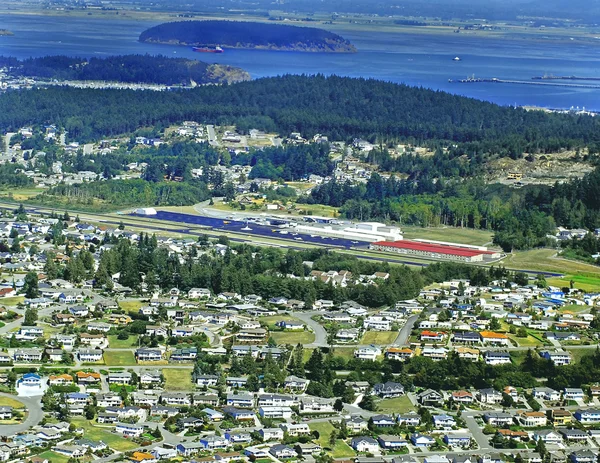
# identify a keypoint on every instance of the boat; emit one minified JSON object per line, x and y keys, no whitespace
{"x":457,"y":58}
{"x":208,"y":49}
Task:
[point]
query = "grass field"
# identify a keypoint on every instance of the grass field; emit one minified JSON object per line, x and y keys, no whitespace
{"x":396,"y":405}
{"x":97,"y":433}
{"x":450,"y":234}
{"x":529,"y":341}
{"x":379,"y":337}
{"x":12,"y":301}
{"x":584,"y":282}
{"x":345,"y":352}
{"x":54,"y":457}
{"x":178,"y":379}
{"x":573,"y":308}
{"x":292,"y":337}
{"x":585,"y":276}
{"x":272,"y":319}
{"x":324,"y":428}
{"x":10,"y":402}
{"x":578,"y":354}
{"x":118,"y":358}
{"x":130,"y":306}
{"x":114,"y":343}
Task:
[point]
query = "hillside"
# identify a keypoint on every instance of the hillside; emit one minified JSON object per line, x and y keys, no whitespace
{"x":144,"y":69}
{"x":237,"y":34}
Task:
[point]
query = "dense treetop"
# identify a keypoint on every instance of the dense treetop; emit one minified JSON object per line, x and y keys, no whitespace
{"x":126,"y":68}
{"x":342,"y":108}
{"x":241,"y":34}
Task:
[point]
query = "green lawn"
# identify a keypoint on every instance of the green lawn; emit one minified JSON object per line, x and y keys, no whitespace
{"x":114,"y":343}
{"x":104,"y":434}
{"x":574,"y":308}
{"x":379,"y":337}
{"x":345,"y":352}
{"x":130,"y":306}
{"x":585,"y":276}
{"x":178,"y":379}
{"x":12,"y":301}
{"x":10,"y":402}
{"x":448,"y":234}
{"x":396,"y":405}
{"x":324,"y":428}
{"x":272,"y":319}
{"x":578,"y":354}
{"x":54,"y":457}
{"x":529,"y":341}
{"x":119,"y":358}
{"x":292,"y":337}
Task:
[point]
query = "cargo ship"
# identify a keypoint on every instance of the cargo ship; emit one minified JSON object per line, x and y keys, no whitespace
{"x":208,"y":49}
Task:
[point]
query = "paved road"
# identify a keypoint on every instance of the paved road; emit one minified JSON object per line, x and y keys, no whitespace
{"x":317,"y":328}
{"x":34,"y":407}
{"x":404,"y":334}
{"x":212,"y":136}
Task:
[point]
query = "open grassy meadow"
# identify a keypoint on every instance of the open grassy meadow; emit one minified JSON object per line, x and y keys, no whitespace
{"x":104,"y":434}
{"x":130,"y":306}
{"x":379,"y":337}
{"x":178,"y":379}
{"x":10,"y":402}
{"x":119,"y":358}
{"x":341,"y":449}
{"x":115,"y":343}
{"x":12,"y":301}
{"x":292,"y":337}
{"x":396,"y":405}
{"x":450,"y":234}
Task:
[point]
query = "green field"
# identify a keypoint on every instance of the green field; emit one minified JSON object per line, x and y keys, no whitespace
{"x":449,"y":234}
{"x":584,"y":282}
{"x":104,"y":434}
{"x":585,"y":276}
{"x":324,"y":428}
{"x":130,"y":306}
{"x":292,"y":337}
{"x":114,"y":343}
{"x":379,"y":337}
{"x":119,"y":358}
{"x":10,"y":402}
{"x":54,"y":457}
{"x":178,"y":379}
{"x":272,"y":319}
{"x":12,"y":301}
{"x":529,"y":341}
{"x":345,"y":352}
{"x":578,"y":354}
{"x":573,"y":308}
{"x":396,"y":405}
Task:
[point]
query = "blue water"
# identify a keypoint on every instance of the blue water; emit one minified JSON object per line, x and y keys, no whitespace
{"x":403,"y":58}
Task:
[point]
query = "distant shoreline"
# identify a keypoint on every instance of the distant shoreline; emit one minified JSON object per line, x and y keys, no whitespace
{"x":6,"y":33}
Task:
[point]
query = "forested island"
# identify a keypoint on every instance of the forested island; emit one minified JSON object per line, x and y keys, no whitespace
{"x":6,"y":32}
{"x":143,"y":69}
{"x":238,"y":34}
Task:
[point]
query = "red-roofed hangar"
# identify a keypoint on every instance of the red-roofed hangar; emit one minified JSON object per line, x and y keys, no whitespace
{"x":435,"y":251}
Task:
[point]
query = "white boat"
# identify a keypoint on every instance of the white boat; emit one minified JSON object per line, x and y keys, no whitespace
{"x":456,"y":59}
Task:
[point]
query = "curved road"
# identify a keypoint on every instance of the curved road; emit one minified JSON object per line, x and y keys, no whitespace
{"x":320,"y":333}
{"x":34,"y":407}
